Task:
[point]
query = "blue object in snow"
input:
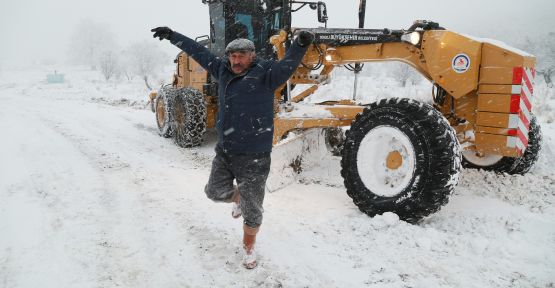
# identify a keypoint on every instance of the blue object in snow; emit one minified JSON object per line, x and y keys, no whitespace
{"x":55,"y":78}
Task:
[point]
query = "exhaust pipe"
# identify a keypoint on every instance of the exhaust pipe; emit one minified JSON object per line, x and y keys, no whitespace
{"x":358,"y":66}
{"x":361,"y":13}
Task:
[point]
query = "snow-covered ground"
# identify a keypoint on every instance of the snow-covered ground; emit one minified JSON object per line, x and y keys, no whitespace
{"x":91,"y":196}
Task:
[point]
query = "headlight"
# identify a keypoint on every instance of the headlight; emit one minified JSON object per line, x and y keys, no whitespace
{"x":332,"y":55}
{"x":413,"y":38}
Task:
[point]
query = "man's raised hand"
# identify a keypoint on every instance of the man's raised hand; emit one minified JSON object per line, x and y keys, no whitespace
{"x":162,"y":33}
{"x":305,"y":38}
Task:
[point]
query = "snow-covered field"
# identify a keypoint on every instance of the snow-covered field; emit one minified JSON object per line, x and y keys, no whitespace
{"x":91,"y":196}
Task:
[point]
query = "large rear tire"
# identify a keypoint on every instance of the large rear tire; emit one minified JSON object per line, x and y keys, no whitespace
{"x":511,"y":165}
{"x":189,"y":118}
{"x":400,"y":156}
{"x":163,"y":110}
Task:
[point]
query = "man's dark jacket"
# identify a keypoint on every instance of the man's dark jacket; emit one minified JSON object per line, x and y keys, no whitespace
{"x":245,"y":119}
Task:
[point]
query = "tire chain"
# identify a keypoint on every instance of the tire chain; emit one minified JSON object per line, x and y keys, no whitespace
{"x":168,"y":95}
{"x":189,"y":133}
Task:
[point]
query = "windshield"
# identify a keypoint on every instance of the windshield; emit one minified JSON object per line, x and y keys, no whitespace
{"x":246,"y":21}
{"x":257,"y":23}
{"x":255,"y":20}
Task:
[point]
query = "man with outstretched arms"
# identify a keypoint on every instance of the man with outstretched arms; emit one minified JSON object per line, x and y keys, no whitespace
{"x":244,"y":123}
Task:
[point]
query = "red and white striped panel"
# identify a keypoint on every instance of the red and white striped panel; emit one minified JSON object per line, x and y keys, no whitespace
{"x":521,"y":105}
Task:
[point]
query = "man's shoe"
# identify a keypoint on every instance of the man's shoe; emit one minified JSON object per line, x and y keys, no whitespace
{"x":249,"y":259}
{"x":236,"y":210}
{"x":249,"y":239}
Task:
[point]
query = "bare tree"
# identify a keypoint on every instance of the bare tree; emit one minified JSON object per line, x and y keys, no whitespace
{"x":126,"y":65}
{"x":88,"y":41}
{"x":108,"y":63}
{"x":145,"y":59}
{"x":546,"y":58}
{"x":402,"y":72}
{"x":543,"y":47}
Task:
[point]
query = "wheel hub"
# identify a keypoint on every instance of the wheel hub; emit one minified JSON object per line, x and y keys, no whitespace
{"x":386,"y":161}
{"x":161,"y":113}
{"x":179,"y":113}
{"x":394,"y":160}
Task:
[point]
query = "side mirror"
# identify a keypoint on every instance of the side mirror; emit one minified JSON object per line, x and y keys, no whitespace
{"x":322,"y":12}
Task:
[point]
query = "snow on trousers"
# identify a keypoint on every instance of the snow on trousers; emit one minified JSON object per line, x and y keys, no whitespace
{"x":250,"y":171}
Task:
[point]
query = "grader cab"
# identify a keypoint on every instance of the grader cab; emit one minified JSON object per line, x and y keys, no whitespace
{"x":398,"y":154}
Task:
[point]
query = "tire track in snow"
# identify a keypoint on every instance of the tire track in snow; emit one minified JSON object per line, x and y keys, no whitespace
{"x":123,"y":258}
{"x":49,"y":204}
{"x":114,"y":228}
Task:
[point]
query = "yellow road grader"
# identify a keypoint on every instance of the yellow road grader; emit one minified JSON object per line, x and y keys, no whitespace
{"x":398,"y":155}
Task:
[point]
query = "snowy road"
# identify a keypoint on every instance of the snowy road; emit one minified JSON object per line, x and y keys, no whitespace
{"x":91,"y":196}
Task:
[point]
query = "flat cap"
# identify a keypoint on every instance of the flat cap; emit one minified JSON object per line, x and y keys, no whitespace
{"x":240,"y":44}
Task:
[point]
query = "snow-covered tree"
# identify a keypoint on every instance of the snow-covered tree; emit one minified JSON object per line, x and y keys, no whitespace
{"x":144,"y":59}
{"x":109,"y":64}
{"x":89,"y":41}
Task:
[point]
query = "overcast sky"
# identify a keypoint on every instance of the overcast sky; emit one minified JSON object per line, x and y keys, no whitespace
{"x":35,"y":30}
